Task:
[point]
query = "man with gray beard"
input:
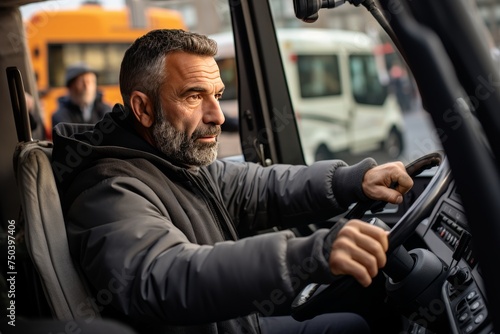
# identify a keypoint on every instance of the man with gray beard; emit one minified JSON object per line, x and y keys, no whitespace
{"x":144,"y":196}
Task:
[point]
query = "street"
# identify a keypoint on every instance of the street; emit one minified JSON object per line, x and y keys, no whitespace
{"x":420,"y":136}
{"x":419,"y":139}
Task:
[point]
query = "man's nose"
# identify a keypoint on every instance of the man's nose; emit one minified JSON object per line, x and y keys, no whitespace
{"x":212,"y":112}
{"x":84,"y":83}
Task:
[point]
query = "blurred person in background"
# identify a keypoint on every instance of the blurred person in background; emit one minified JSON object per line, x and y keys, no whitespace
{"x":83,"y":103}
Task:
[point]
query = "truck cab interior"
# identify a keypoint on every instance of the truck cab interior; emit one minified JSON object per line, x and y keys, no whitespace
{"x":444,"y":237}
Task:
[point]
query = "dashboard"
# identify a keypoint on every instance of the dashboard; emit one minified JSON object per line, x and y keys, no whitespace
{"x":441,"y":290}
{"x":446,"y":234}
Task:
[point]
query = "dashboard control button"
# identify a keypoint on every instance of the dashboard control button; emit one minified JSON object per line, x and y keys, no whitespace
{"x":479,"y":318}
{"x":464,"y":316}
{"x":471,"y":295}
{"x":469,"y":329}
{"x":475,"y":306}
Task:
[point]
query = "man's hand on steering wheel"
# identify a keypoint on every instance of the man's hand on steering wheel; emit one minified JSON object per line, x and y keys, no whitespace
{"x":359,"y":250}
{"x":387,"y":182}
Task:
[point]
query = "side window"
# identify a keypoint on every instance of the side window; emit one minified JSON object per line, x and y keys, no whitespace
{"x":227,"y":68}
{"x":365,"y":80}
{"x":229,"y":139}
{"x":319,"y":75}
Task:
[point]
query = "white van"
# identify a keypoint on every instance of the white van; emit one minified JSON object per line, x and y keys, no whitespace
{"x":335,"y":83}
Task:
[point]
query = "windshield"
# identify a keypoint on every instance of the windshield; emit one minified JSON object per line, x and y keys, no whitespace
{"x":351,"y":92}
{"x":356,"y":98}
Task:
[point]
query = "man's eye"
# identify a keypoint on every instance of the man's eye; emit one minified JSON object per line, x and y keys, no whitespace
{"x":194,"y":97}
{"x":218,"y":96}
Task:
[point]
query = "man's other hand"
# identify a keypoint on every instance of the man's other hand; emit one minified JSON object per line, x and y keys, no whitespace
{"x":359,"y":250}
{"x":378,"y":180}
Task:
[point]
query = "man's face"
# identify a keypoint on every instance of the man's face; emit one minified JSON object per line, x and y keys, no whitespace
{"x":83,"y":89}
{"x":188,"y":124}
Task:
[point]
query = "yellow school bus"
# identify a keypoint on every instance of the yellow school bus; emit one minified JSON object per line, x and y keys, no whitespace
{"x":90,"y":34}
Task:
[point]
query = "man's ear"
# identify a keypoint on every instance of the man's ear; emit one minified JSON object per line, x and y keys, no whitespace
{"x":142,"y":107}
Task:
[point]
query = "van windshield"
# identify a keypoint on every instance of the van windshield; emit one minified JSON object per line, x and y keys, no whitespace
{"x":365,"y":80}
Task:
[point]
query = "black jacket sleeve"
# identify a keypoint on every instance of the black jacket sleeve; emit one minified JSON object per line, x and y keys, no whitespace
{"x":288,"y":195}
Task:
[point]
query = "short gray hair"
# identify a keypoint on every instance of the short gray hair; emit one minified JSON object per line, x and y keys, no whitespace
{"x":143,"y":65}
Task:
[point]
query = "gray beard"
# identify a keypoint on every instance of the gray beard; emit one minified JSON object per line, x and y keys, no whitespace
{"x":177,"y":146}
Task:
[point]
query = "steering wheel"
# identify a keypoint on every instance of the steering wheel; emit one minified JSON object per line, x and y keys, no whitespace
{"x":309,"y":301}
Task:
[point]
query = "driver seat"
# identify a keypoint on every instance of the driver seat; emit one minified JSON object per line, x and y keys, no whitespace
{"x":44,"y":229}
{"x":45,"y":232}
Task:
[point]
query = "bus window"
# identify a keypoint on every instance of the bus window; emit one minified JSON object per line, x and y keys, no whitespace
{"x":56,"y":39}
{"x":104,"y":58}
